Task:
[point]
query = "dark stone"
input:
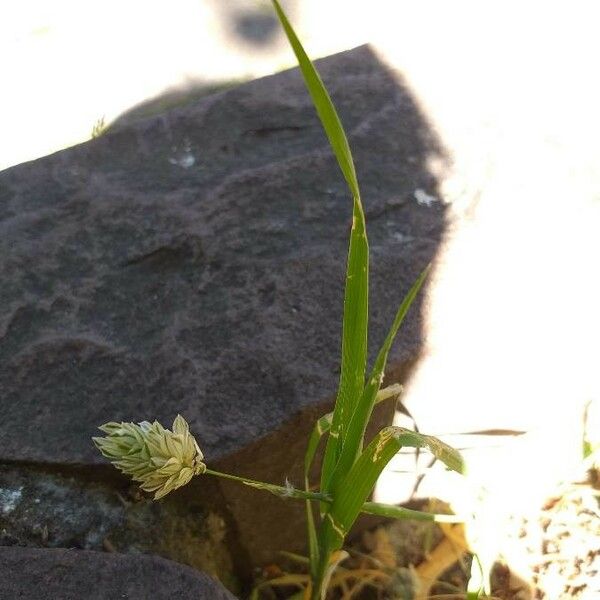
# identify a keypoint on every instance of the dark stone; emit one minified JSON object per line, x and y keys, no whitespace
{"x":42,"y":574}
{"x":194,"y":262}
{"x":40,"y":507}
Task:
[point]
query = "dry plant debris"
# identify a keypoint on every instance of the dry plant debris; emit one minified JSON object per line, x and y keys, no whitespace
{"x":556,"y":550}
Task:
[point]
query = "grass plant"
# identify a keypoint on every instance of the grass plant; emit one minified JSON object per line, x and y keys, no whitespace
{"x":162,"y":460}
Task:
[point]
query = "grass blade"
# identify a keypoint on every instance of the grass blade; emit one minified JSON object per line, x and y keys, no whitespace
{"x":360,"y":480}
{"x":442,"y":451}
{"x":323,"y":425}
{"x":357,"y":486}
{"x":313,"y":540}
{"x":354,"y":438}
{"x":321,"y":428}
{"x":477,"y":576}
{"x":323,"y":104}
{"x":354,"y":328}
{"x":285,"y":580}
{"x":354,"y":342}
{"x":334,"y":560}
{"x":399,"y":512}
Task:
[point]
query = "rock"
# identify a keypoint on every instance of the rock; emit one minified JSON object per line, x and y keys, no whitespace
{"x":193,"y":263}
{"x":35,"y":574}
{"x":78,"y":510}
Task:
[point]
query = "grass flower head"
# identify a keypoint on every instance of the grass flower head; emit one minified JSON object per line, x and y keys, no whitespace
{"x":159,"y":459}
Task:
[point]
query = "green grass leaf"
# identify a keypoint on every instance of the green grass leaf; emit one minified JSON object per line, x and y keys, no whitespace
{"x":322,"y":427}
{"x":354,"y":328}
{"x":360,"y":480}
{"x":477,"y":579}
{"x":447,"y":454}
{"x":399,"y":512}
{"x":347,"y":468}
{"x":354,"y":438}
{"x":323,"y":104}
{"x":313,"y":540}
{"x":356,"y":488}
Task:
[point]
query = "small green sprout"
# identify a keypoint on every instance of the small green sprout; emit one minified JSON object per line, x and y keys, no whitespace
{"x":99,"y":128}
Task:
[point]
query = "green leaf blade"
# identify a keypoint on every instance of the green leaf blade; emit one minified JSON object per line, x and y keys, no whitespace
{"x":353,"y":440}
{"x":322,"y":426}
{"x":356,"y":488}
{"x":323,"y":104}
{"x":400,"y":512}
{"x":354,"y":343}
{"x":354,"y":328}
{"x":449,"y":456}
{"x":358,"y":484}
{"x":313,"y":540}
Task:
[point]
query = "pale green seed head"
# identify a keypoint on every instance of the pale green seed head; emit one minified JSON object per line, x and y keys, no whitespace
{"x":159,"y":459}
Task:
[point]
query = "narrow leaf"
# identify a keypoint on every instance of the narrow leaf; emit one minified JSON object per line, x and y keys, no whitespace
{"x":334,"y":560}
{"x":297,"y":558}
{"x":399,"y":512}
{"x":360,"y":480}
{"x":288,"y":579}
{"x":354,"y":342}
{"x":477,"y":577}
{"x":322,"y":426}
{"x":442,"y":451}
{"x":323,"y":104}
{"x":356,"y":488}
{"x":313,"y":540}
{"x":354,"y":328}
{"x":353,"y":440}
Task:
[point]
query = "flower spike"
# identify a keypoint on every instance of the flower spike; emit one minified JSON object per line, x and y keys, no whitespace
{"x":159,"y":459}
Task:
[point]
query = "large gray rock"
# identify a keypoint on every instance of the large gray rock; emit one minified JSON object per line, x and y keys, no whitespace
{"x":193,"y":262}
{"x":34,"y":574}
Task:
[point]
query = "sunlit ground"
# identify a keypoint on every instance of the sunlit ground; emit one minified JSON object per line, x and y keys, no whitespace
{"x":512,"y":325}
{"x":72,"y":63}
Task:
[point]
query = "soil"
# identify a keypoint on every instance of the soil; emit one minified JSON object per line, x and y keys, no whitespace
{"x":558,"y":548}
{"x":557,"y":552}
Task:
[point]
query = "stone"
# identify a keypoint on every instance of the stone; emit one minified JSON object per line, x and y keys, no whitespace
{"x":61,"y":574}
{"x":42,"y":507}
{"x":193,"y":262}
{"x":511,"y":309}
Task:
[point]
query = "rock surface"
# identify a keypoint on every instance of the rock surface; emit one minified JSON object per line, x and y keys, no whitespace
{"x":34,"y":574}
{"x":80,"y":510}
{"x":193,"y":262}
{"x":512,"y":320}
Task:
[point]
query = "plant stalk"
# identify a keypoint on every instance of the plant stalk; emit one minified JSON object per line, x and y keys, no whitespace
{"x":278,"y":490}
{"x":370,"y":508}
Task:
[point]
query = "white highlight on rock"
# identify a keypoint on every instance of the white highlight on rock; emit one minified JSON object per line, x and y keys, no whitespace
{"x":184,"y":159}
{"x":423,"y":198}
{"x":400,"y":237}
{"x":9,"y":499}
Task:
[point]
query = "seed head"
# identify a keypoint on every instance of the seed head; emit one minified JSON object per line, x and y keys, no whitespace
{"x":159,"y":459}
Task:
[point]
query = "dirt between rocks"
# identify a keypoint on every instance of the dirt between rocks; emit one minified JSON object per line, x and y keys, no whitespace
{"x":555,"y":555}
